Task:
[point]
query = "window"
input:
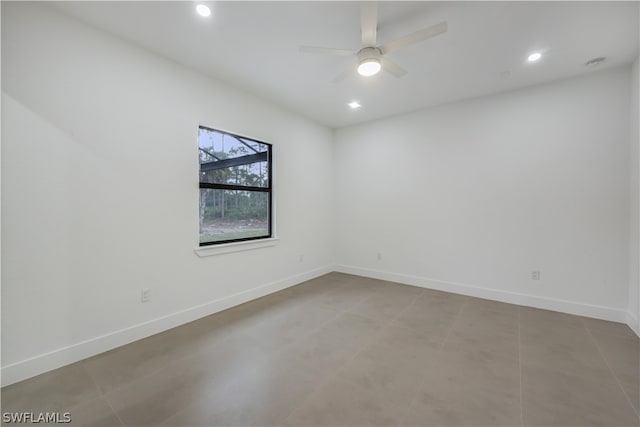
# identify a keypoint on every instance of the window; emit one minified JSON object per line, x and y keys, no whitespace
{"x":235,"y":188}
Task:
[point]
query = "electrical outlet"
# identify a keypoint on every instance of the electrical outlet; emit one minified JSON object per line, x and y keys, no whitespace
{"x":535,"y":275}
{"x":379,"y":256}
{"x":301,"y":258}
{"x":145,"y":295}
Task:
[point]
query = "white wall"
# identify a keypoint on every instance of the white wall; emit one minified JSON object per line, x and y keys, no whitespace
{"x":100,"y":193}
{"x":634,"y":252}
{"x":473,"y":196}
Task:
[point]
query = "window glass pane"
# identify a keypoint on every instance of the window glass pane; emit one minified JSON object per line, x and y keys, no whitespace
{"x":230,"y":214}
{"x":252,"y":174}
{"x":228,"y":159}
{"x":219,"y":145}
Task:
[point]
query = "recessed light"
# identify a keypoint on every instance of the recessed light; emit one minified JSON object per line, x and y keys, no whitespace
{"x":354,"y":105}
{"x":534,"y":57}
{"x":369,"y":67}
{"x":203,"y":10}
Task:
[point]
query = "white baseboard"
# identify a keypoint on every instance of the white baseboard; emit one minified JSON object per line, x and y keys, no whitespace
{"x":588,"y":310}
{"x":64,"y":356}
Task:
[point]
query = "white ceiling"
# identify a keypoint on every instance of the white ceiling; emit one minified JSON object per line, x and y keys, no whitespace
{"x":254,"y":46}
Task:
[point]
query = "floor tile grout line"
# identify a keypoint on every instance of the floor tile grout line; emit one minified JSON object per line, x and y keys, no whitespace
{"x":346,"y":362}
{"x":101,"y":395}
{"x":439,"y":351}
{"x":347,"y":311}
{"x":320,"y":326}
{"x":189,"y":356}
{"x":323,"y":324}
{"x":163,"y":367}
{"x":272,"y":353}
{"x":520,"y":368}
{"x":104,"y":392}
{"x":306,"y":334}
{"x":400,"y":326}
{"x":365,"y":345}
{"x":114,"y":412}
{"x":276,"y":353}
{"x":613,"y":373}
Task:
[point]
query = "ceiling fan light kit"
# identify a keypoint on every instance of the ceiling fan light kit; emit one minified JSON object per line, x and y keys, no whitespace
{"x":370,"y":58}
{"x":369,"y":61}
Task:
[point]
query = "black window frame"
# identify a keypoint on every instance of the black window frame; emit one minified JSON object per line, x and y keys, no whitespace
{"x":268,"y":189}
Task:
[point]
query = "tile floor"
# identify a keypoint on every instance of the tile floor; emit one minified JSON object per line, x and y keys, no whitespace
{"x":344,"y":350}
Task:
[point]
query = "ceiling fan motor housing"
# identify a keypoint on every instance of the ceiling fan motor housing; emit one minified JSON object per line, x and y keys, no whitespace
{"x":369,"y":53}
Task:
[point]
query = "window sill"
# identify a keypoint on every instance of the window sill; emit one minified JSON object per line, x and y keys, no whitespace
{"x":226,"y":248}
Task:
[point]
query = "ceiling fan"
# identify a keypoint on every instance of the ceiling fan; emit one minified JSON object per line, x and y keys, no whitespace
{"x":371,"y":57}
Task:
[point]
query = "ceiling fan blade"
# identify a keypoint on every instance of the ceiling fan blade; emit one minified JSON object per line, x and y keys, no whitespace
{"x":416,"y":37}
{"x":369,"y":23}
{"x":393,"y":68}
{"x":326,"y":51}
